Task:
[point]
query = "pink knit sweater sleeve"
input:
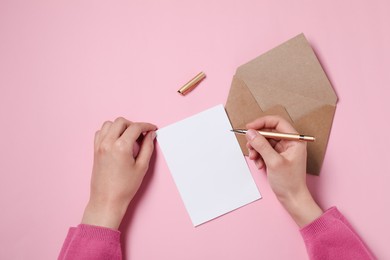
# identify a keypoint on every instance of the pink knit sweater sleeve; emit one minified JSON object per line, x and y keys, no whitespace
{"x":328,"y":237}
{"x":91,"y":242}
{"x":332,"y":237}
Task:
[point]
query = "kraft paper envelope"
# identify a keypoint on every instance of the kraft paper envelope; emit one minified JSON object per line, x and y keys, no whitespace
{"x":287,"y":81}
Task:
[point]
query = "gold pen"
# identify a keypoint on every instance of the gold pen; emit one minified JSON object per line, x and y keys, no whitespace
{"x":279,"y":136}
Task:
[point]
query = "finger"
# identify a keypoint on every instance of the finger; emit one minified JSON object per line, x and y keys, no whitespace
{"x":252,"y":154}
{"x":272,"y":122}
{"x":262,"y":146}
{"x":259,"y":163}
{"x":134,"y":131}
{"x":146,"y":151}
{"x":280,"y":147}
{"x":117,"y":128}
{"x":136,"y":148}
{"x":255,"y":156}
{"x":273,"y":142}
{"x":285,"y":145}
{"x":104,"y":130}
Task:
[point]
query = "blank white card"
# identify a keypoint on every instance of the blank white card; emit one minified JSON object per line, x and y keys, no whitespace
{"x":207,"y":165}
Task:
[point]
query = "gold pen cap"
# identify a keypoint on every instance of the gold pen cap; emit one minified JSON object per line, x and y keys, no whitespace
{"x":192,"y":83}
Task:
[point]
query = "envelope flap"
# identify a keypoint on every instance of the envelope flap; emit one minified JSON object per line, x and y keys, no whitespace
{"x":291,"y":67}
{"x":297,"y":105}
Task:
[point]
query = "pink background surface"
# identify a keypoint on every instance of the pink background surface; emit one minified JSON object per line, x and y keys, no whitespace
{"x":67,"y":66}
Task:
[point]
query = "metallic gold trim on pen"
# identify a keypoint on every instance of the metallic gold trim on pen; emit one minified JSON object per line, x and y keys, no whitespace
{"x":190,"y":85}
{"x":280,"y":136}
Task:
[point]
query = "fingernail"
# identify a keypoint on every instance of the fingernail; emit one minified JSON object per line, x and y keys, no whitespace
{"x":251,"y":134}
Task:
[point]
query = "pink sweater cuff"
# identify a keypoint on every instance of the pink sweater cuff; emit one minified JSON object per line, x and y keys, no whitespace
{"x":91,"y":242}
{"x":98,"y":233}
{"x":332,"y":237}
{"x":321,"y":224}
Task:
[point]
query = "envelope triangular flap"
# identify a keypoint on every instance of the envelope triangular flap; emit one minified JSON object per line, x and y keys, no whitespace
{"x":291,"y":69}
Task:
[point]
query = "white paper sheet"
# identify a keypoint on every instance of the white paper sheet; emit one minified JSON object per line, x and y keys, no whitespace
{"x":207,"y":165}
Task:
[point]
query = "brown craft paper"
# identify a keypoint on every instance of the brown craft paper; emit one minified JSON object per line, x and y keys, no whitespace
{"x":287,"y":81}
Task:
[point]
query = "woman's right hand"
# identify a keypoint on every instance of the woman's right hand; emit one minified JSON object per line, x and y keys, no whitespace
{"x":285,"y":163}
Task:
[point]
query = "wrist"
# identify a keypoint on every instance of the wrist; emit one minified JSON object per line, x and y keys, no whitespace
{"x":104,"y":215}
{"x":302,"y":207}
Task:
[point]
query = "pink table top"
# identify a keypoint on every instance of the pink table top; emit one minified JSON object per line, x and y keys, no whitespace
{"x":67,"y":66}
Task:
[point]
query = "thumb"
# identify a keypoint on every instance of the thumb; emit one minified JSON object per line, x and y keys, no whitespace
{"x":262,"y":146}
